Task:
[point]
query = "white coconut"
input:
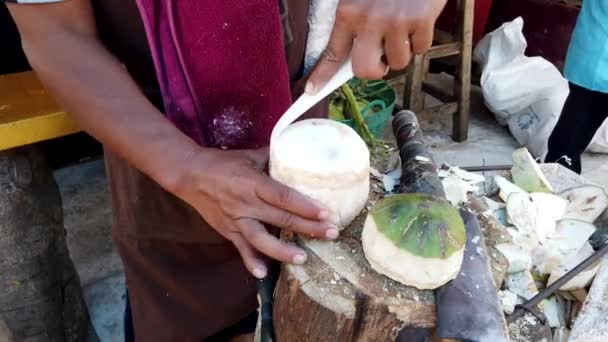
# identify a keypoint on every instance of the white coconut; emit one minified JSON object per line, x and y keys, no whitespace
{"x":506,"y":188}
{"x":326,"y":161}
{"x":535,"y":214}
{"x":526,"y":173}
{"x":572,"y":260}
{"x":522,"y":284}
{"x":585,"y":203}
{"x":518,"y":258}
{"x":457,"y":190}
{"x":570,"y":236}
{"x":554,"y":311}
{"x":404,"y":267}
{"x":508,"y":300}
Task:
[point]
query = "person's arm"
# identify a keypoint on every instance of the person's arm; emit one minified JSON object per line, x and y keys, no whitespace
{"x":60,"y":41}
{"x":228,"y":188}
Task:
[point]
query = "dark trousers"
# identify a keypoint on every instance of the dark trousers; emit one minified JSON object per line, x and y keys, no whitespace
{"x":245,"y":326}
{"x":583,"y":113}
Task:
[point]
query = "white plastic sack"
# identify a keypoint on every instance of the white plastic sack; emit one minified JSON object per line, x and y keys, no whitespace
{"x":599,"y":144}
{"x":525,"y":93}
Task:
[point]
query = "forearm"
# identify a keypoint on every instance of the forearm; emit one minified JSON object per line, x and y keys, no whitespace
{"x":105,"y":101}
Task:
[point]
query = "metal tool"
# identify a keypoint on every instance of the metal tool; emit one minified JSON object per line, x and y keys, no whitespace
{"x":487,"y":168}
{"x":265,"y":288}
{"x":467,"y":307}
{"x":529,"y":305}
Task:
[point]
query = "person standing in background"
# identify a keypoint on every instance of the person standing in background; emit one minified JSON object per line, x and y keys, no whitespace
{"x":586,"y":69}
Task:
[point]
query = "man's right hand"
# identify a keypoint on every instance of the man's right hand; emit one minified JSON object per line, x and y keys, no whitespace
{"x":237,"y":198}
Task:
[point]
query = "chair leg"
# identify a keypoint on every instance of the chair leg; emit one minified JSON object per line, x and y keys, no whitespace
{"x":412,"y":95}
{"x":460,"y":126}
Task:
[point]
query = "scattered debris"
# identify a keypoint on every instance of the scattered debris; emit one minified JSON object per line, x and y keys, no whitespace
{"x":592,"y":322}
{"x":570,"y":236}
{"x":585,"y":203}
{"x":522,"y":284}
{"x":527,"y":174}
{"x":535,"y":214}
{"x":584,"y":278}
{"x":506,"y":188}
{"x":554,"y":312}
{"x":458,"y":183}
{"x":519,"y":260}
{"x":508,"y":300}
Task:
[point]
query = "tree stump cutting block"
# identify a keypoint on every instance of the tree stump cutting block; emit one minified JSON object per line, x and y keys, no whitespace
{"x":40,"y":294}
{"x":337,"y":296}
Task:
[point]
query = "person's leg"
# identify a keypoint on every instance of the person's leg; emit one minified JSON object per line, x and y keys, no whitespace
{"x":574,"y":129}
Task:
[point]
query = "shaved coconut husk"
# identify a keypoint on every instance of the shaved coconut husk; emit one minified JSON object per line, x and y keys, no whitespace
{"x":415,"y":239}
{"x":586,"y":203}
{"x":554,"y":311}
{"x":491,"y":204}
{"x":326,"y":161}
{"x":456,"y":189}
{"x":506,"y":188}
{"x":582,"y":279}
{"x":535,"y":214}
{"x":522,"y":284}
{"x":569,"y":237}
{"x":527,"y":174}
{"x":508,"y":300}
{"x":518,"y":258}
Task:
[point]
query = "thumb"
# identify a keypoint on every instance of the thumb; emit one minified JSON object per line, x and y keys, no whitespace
{"x":335,"y":54}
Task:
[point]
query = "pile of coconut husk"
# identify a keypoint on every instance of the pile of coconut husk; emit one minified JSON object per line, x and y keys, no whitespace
{"x":537,"y":222}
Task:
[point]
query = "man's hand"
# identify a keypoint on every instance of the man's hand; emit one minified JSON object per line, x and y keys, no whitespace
{"x":379,"y":34}
{"x":234,"y":195}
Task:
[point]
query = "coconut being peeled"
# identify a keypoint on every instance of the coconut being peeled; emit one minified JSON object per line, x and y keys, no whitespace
{"x":326,"y":161}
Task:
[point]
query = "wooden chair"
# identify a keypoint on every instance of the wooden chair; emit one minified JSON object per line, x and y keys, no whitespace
{"x":447,"y":44}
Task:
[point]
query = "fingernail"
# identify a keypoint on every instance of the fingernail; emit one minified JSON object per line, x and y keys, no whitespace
{"x":310,"y":88}
{"x":299,"y":259}
{"x":323,"y":215}
{"x":259,"y":272}
{"x":332,"y":233}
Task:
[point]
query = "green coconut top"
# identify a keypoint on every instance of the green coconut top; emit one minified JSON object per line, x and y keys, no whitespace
{"x":423,"y":225}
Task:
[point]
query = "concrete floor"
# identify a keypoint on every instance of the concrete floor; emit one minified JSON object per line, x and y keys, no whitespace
{"x":87,"y":210}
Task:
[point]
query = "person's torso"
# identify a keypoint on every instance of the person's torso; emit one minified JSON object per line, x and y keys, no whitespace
{"x":587,"y":61}
{"x":122,"y":32}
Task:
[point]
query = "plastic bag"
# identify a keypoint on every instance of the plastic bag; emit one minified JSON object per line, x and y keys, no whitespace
{"x":599,"y":144}
{"x":524,"y":93}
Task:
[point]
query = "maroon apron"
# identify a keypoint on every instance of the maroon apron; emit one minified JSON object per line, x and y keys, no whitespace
{"x":185,"y":281}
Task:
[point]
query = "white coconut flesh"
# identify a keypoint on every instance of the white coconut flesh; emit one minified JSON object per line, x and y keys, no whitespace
{"x":518,"y":258}
{"x":570,"y":236}
{"x":326,"y":161}
{"x":415,"y":239}
{"x":506,"y":188}
{"x":526,"y":173}
{"x":535,"y":214}
{"x":522,"y":284}
{"x":582,"y":279}
{"x":585,"y":203}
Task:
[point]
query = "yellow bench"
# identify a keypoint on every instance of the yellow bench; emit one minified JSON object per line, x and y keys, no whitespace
{"x":28,"y":114}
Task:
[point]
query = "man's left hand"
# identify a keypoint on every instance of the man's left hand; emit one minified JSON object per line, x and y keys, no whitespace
{"x":379,"y":34}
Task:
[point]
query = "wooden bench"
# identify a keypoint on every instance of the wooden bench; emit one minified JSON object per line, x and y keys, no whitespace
{"x":28,"y":114}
